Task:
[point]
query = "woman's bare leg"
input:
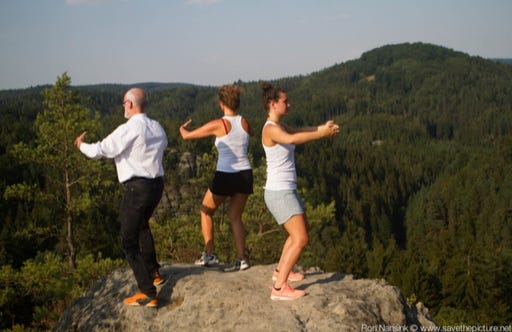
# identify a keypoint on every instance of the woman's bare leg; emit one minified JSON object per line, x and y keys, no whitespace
{"x":210,"y":204}
{"x":296,"y":227}
{"x":236,"y":209}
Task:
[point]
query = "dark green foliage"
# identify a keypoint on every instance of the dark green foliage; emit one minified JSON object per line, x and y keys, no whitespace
{"x":416,"y":189}
{"x":37,"y":293}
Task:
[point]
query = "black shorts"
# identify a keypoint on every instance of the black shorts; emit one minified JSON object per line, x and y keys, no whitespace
{"x":227,"y":184}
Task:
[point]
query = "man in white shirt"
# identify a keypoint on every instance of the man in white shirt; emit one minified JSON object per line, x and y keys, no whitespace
{"x":137,"y":148}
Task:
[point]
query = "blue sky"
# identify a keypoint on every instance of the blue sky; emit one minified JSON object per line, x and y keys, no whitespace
{"x":213,"y":42}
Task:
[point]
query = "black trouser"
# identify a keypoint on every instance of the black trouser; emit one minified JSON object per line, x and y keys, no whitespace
{"x":141,"y":197}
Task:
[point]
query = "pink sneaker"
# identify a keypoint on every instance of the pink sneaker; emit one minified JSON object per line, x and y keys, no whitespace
{"x":286,"y":293}
{"x":293,"y":276}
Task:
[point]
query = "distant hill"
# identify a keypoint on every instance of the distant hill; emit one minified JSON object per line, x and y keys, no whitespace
{"x":507,"y":61}
{"x":445,"y":90}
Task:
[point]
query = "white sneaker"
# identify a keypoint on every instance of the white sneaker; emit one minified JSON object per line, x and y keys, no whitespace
{"x":240,"y":265}
{"x":244,"y":264}
{"x":207,"y":260}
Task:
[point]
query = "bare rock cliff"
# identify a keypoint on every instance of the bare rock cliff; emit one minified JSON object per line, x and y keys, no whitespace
{"x":206,"y":299}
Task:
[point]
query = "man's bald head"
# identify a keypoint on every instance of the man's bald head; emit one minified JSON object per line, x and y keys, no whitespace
{"x":138,"y":97}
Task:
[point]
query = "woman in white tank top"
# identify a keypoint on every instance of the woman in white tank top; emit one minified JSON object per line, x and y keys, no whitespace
{"x":233,"y":176}
{"x":281,"y":196}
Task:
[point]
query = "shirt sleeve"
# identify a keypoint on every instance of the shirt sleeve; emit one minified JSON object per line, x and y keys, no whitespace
{"x":110,"y":147}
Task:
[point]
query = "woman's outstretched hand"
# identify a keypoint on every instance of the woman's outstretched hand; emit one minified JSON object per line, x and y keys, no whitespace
{"x":329,"y":129}
{"x":186,"y":124}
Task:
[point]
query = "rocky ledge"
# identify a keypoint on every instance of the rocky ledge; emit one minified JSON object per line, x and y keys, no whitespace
{"x":207,"y":299}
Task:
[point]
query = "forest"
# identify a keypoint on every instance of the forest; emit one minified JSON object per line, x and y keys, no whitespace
{"x":416,"y":189}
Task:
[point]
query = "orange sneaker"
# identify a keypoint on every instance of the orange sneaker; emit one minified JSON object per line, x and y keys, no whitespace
{"x":158,"y":280}
{"x":286,"y":293}
{"x":141,"y":299}
{"x":293,"y":276}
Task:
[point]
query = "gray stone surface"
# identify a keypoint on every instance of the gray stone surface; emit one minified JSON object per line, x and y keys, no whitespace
{"x":206,"y":299}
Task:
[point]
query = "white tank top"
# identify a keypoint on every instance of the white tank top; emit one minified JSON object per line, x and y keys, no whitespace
{"x":281,"y":174}
{"x":233,"y":147}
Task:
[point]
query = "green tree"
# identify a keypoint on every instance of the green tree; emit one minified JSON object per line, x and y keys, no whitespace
{"x":65,"y":178}
{"x":348,"y":252}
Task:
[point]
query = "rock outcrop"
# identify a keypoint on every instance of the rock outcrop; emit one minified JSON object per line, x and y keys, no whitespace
{"x":207,"y":299}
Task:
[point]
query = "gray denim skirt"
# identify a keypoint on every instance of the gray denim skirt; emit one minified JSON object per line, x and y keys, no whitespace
{"x":283,"y":204}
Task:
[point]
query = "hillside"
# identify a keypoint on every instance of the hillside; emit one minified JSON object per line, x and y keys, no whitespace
{"x":414,"y":190}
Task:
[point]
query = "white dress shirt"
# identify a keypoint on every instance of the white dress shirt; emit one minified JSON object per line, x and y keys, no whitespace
{"x":137,"y":147}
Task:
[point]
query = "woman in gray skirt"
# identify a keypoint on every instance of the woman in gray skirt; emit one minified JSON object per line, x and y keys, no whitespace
{"x":281,"y":195}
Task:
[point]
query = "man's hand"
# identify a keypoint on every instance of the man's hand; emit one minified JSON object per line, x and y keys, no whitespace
{"x":79,"y":140}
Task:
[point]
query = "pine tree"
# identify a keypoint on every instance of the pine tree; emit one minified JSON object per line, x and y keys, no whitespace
{"x":61,"y":165}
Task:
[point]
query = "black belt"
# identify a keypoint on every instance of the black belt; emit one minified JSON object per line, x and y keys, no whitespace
{"x":140,"y":178}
